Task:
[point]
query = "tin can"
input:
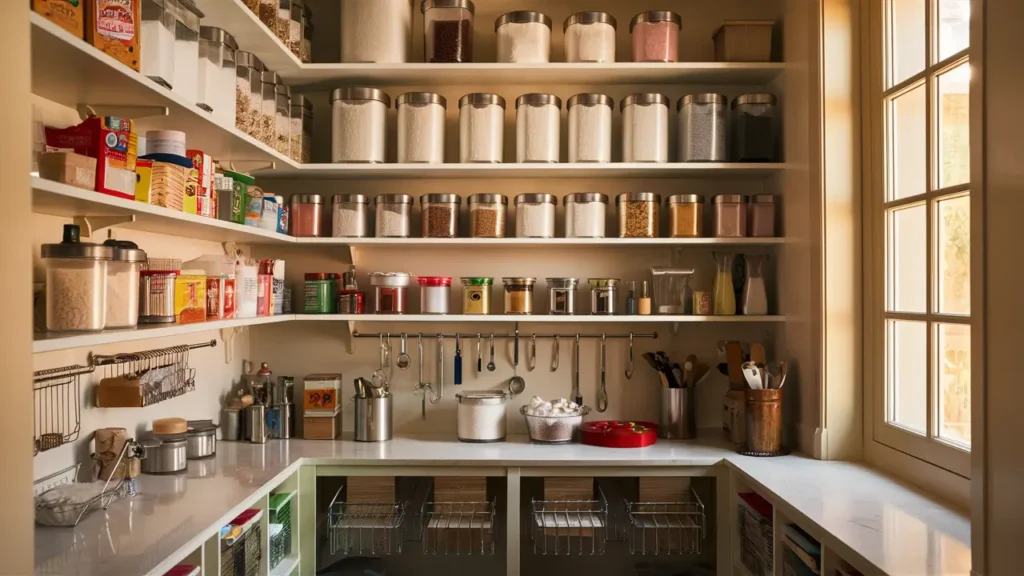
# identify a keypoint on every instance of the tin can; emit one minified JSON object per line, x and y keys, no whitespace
{"x":701,"y":303}
{"x":351,"y":302}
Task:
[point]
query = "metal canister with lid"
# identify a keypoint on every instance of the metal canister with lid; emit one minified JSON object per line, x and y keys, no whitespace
{"x":604,"y":295}
{"x":562,"y":295}
{"x":519,"y":295}
{"x":476,"y":295}
{"x":349,"y":216}
{"x":306,"y":216}
{"x":702,"y":128}
{"x":686,"y":215}
{"x":76,"y":283}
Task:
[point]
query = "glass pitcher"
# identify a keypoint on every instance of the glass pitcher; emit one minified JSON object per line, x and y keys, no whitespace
{"x":723,"y":299}
{"x":755,"y":297}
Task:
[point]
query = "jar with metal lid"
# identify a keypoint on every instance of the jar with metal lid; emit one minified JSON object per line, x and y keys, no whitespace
{"x":585,"y":215}
{"x":487,"y":215}
{"x":686,"y":215}
{"x":524,"y":37}
{"x":269,"y":82}
{"x":604,"y":294}
{"x":481,"y":416}
{"x":320,"y":295}
{"x":306,"y":216}
{"x":538,"y":119}
{"x":393,"y":215}
{"x":761,"y":215}
{"x":589,"y":37}
{"x":349,"y":216}
{"x":439,"y":215}
{"x":421,"y":127}
{"x":376,"y":32}
{"x":217,"y":73}
{"x":519,"y":295}
{"x":185,"y":81}
{"x":248,"y":92}
{"x":755,"y":128}
{"x":267,"y":12}
{"x":535,"y":215}
{"x":301,"y":132}
{"x":447,"y":30}
{"x":730,"y":216}
{"x":481,"y":128}
{"x":294,"y":41}
{"x":476,"y":295}
{"x":359,"y":125}
{"x":283,"y":124}
{"x":562,"y":295}
{"x":655,"y":36}
{"x":645,"y":128}
{"x":434,"y":293}
{"x":123,"y":284}
{"x":390,"y":291}
{"x":284,"y":15}
{"x":639,"y":214}
{"x":590,"y":128}
{"x":306,"y":51}
{"x":76,"y":283}
{"x":702,"y":128}
{"x":157,"y":34}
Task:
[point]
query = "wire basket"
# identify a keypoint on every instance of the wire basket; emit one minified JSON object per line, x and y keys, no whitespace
{"x":756,"y":540}
{"x":357,"y":528}
{"x":458,"y":528}
{"x":281,"y":513}
{"x":277,"y":544}
{"x":241,"y":555}
{"x":160,"y":374}
{"x":565,"y":527}
{"x":666,"y":527}
{"x":69,"y":512}
{"x":56,"y":395}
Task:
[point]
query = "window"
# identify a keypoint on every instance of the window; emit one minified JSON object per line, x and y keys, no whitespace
{"x":919,"y":226}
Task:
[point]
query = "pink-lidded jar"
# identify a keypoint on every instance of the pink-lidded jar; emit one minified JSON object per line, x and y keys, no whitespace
{"x":655,"y":36}
{"x":730,"y":216}
{"x":761,"y":216}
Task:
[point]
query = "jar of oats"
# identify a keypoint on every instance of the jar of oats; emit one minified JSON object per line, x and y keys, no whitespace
{"x":638,"y":214}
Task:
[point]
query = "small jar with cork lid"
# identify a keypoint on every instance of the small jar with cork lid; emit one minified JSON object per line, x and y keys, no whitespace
{"x":686,"y":215}
{"x":519,"y":295}
{"x":440,"y":215}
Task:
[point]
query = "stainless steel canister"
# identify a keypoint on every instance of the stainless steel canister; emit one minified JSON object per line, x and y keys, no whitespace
{"x":163,"y":456}
{"x":257,"y":421}
{"x":201,"y":439}
{"x":373,"y":419}
{"x":281,"y":391}
{"x":230,"y":424}
{"x":702,"y":128}
{"x":562,"y":295}
{"x":156,"y":296}
{"x":677,"y":418}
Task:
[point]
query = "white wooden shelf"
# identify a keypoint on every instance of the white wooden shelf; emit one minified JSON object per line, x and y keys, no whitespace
{"x":533,"y":318}
{"x":512,"y":170}
{"x":287,"y":566}
{"x":539,"y":242}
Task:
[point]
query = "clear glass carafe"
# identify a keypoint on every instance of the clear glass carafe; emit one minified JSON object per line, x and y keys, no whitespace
{"x":755,"y":296}
{"x":723,"y":299}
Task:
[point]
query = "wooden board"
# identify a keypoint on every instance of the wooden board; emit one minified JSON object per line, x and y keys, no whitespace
{"x":371,"y":489}
{"x":569,"y":488}
{"x":460,"y":489}
{"x":658,"y":489}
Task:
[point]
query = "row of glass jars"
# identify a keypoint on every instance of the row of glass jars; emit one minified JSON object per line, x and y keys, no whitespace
{"x":291,"y":21}
{"x":266,"y":110}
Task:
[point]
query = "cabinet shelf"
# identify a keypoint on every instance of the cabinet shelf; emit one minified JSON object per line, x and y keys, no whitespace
{"x":394,"y":171}
{"x":534,"y":319}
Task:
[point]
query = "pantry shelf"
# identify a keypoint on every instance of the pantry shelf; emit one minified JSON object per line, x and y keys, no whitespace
{"x":539,"y":242}
{"x":534,"y":319}
{"x":489,"y":171}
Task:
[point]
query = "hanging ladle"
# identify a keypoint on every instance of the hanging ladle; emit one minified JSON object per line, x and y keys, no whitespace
{"x":629,"y":366}
{"x":403,"y":356}
{"x":516,"y":384}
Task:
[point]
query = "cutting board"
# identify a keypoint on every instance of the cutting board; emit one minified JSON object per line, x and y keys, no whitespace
{"x":619,"y":434}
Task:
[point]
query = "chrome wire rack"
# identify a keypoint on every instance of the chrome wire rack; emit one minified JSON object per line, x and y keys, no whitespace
{"x":56,"y":395}
{"x":162,"y":374}
{"x":566,"y":527}
{"x":458,"y":528}
{"x":357,"y":528}
{"x":666,"y":527}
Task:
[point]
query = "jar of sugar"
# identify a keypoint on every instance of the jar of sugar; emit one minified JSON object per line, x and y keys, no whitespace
{"x":585,"y":215}
{"x":538,"y":119}
{"x":481,"y":128}
{"x":523,"y":37}
{"x":655,"y":36}
{"x":358,"y":123}
{"x":349,"y":215}
{"x":421,"y":127}
{"x":645,"y":128}
{"x":535,"y":215}
{"x":589,"y":37}
{"x":393,"y":215}
{"x":590,"y":128}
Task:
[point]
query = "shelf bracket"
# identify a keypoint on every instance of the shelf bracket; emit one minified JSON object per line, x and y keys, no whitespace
{"x":228,"y":336}
{"x":89,"y":225}
{"x":252,"y":165}
{"x":124,"y":111}
{"x":349,"y":336}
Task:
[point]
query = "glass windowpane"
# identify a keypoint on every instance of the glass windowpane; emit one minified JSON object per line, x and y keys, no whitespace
{"x":954,"y":373}
{"x":954,"y":129}
{"x":908,"y":258}
{"x":907,"y":373}
{"x":908,"y":144}
{"x":954,"y":26}
{"x":907,"y":44}
{"x":953,"y":229}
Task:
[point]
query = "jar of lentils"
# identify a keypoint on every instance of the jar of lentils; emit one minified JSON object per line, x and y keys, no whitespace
{"x":487,"y":215}
{"x":702,"y":128}
{"x":519,"y":295}
{"x":686,"y":215}
{"x":639,"y":214}
{"x":440,"y":215}
{"x":349,"y":216}
{"x":535,"y":215}
{"x":393,"y":215}
{"x":585,"y":215}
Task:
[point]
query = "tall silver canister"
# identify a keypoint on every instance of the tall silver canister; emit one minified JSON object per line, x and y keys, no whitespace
{"x":373,"y":419}
{"x":677,"y":419}
{"x":257,"y":424}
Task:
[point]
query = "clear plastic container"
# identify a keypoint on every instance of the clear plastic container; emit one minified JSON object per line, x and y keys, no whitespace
{"x":645,"y":128}
{"x":702,"y":128}
{"x":123,"y":273}
{"x":481,"y":128}
{"x":535,"y":215}
{"x":359,"y":125}
{"x":761,"y":216}
{"x":686,"y":215}
{"x":755,"y":128}
{"x":375,"y":31}
{"x":393,"y":215}
{"x":76,"y":283}
{"x":655,"y":36}
{"x":519,"y":295}
{"x":186,"y":51}
{"x":538,"y":120}
{"x":306,"y":51}
{"x":585,"y":215}
{"x":248,"y":93}
{"x":434,"y":294}
{"x":604,"y":295}
{"x":487,"y":215}
{"x":447,"y":30}
{"x":590,"y":128}
{"x":730,"y":216}
{"x":390,"y":291}
{"x":157,"y":36}
{"x":439,"y":215}
{"x":217,"y":73}
{"x":523,"y":37}
{"x":476,"y":295}
{"x":268,"y":108}
{"x":300,"y":148}
{"x":639,"y":214}
{"x":350,"y":216}
{"x":421,"y":127}
{"x":589,"y":37}
{"x":283,"y":120}
{"x":267,"y":11}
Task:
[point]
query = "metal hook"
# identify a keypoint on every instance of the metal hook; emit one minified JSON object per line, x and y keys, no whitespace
{"x":629,"y":366}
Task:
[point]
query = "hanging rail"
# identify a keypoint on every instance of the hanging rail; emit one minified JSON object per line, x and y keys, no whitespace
{"x":522,"y":335}
{"x":106,"y":360}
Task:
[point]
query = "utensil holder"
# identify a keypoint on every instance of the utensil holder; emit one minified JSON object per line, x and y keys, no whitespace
{"x":764,"y":423}
{"x":373,"y":419}
{"x":677,"y":419}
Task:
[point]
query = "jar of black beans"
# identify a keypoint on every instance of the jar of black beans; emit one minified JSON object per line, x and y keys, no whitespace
{"x":755,"y":128}
{"x":447,"y":30}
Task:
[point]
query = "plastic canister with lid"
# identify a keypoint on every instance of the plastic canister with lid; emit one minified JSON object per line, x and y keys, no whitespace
{"x":306,"y":216}
{"x":538,"y":120}
{"x":590,"y":128}
{"x":421,"y":127}
{"x":350,"y":215}
{"x":585,"y":215}
{"x":481,"y":128}
{"x":655,"y":36}
{"x":645,"y":128}
{"x":702,"y":128}
{"x":123,"y":284}
{"x":76,"y":283}
{"x":524,"y":37}
{"x":589,"y":37}
{"x":359,"y":125}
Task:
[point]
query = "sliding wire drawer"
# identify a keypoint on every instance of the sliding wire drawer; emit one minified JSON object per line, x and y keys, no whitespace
{"x":357,"y":528}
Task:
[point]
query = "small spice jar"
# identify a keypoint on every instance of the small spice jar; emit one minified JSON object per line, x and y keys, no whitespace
{"x":761,"y":216}
{"x":538,"y":118}
{"x":320,"y":293}
{"x":590,"y":128}
{"x":730,"y":216}
{"x":476,"y":295}
{"x":535,"y":215}
{"x":421,"y":127}
{"x":523,"y":37}
{"x":702,"y":128}
{"x":376,"y":32}
{"x":645,"y":128}
{"x":519,"y":295}
{"x":655,"y":36}
{"x":754,"y":128}
{"x":487,"y":215}
{"x":638,"y":214}
{"x":359,"y":125}
{"x":434,"y":292}
{"x":603,"y":295}
{"x":393,"y":215}
{"x":349,"y":216}
{"x":306,"y":215}
{"x":481,"y":128}
{"x":686,"y":215}
{"x":439,"y":215}
{"x":562,"y":295}
{"x":447,"y":30}
{"x":589,"y":37}
{"x":585,"y":215}
{"x":301,"y":133}
{"x":390,"y":291}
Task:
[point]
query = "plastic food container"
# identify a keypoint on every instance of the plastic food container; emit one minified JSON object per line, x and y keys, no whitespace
{"x":393,"y":215}
{"x":123,"y":284}
{"x":589,"y":37}
{"x":535,"y":215}
{"x":359,"y":125}
{"x":702,"y":128}
{"x":686,"y":215}
{"x":730,"y":216}
{"x":604,"y":294}
{"x":390,"y":291}
{"x":519,"y":295}
{"x":557,"y":429}
{"x":590,"y":128}
{"x":349,"y":216}
{"x":487,"y":215}
{"x":157,"y":36}
{"x":476,"y":295}
{"x":421,"y":127}
{"x":301,"y":132}
{"x":562,"y":295}
{"x":585,"y":215}
{"x":645,"y":128}
{"x":434,"y":294}
{"x":523,"y":37}
{"x":655,"y":36}
{"x":761,"y":216}
{"x":377,"y":31}
{"x":754,"y":128}
{"x":538,"y":118}
{"x":481,"y":128}
{"x":248,"y":99}
{"x":638,"y":214}
{"x":76,"y":283}
{"x":447,"y":30}
{"x":217,"y":73}
{"x":440,"y":215}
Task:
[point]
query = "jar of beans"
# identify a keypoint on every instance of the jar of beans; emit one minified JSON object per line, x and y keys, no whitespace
{"x":686,"y":215}
{"x":655,"y":36}
{"x":535,"y":215}
{"x":487,"y":215}
{"x":393,"y":215}
{"x":447,"y":30}
{"x":730,"y":216}
{"x":440,"y":215}
{"x":519,"y":295}
{"x":389,"y":290}
{"x":349,"y":215}
{"x":639,"y":213}
{"x":476,"y":295}
{"x":585,"y":215}
{"x":761,"y":215}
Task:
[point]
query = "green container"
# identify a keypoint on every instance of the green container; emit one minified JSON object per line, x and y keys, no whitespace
{"x":239,"y":195}
{"x":321,"y":293}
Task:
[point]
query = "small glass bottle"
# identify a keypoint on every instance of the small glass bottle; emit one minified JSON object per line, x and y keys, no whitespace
{"x":631,"y":300}
{"x":643,"y":307}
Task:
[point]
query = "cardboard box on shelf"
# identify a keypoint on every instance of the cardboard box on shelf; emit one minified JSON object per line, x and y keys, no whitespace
{"x":111,"y":141}
{"x":321,"y":427}
{"x":68,"y":168}
{"x":68,"y":14}
{"x":114,"y":27}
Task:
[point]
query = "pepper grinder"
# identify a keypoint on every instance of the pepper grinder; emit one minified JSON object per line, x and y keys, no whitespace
{"x":644,"y":303}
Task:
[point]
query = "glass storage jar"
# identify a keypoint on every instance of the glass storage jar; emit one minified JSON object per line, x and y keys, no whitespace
{"x":268,"y":108}
{"x":294,"y":41}
{"x":761,"y":215}
{"x":590,"y":128}
{"x":268,"y":13}
{"x":686,"y":215}
{"x":638,"y":214}
{"x":439,"y":215}
{"x":585,"y":215}
{"x":645,"y":128}
{"x":434,"y":292}
{"x":248,"y":92}
{"x":519,"y":295}
{"x":158,"y":22}
{"x":123,"y":273}
{"x":377,"y":31}
{"x":186,"y":51}
{"x":481,"y":128}
{"x":389,"y":289}
{"x":604,"y":294}
{"x":306,"y":49}
{"x":76,"y":283}
{"x":589,"y":37}
{"x":284,"y":16}
{"x":306,"y":215}
{"x":754,"y":128}
{"x":421,"y":127}
{"x":447,"y":30}
{"x":349,"y":216}
{"x":301,"y":132}
{"x":524,"y":37}
{"x":538,"y":118}
{"x":535,"y":215}
{"x":655,"y":36}
{"x":487,"y":215}
{"x":217,"y":73}
{"x":562,"y":295}
{"x":476,"y":295}
{"x":283,"y":123}
{"x":359,"y":125}
{"x":702,"y":128}
{"x":394,"y":213}
{"x":730,"y":216}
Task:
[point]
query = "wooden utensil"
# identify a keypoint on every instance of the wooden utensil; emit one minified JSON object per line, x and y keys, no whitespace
{"x":734,"y":361}
{"x":757,"y":353}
